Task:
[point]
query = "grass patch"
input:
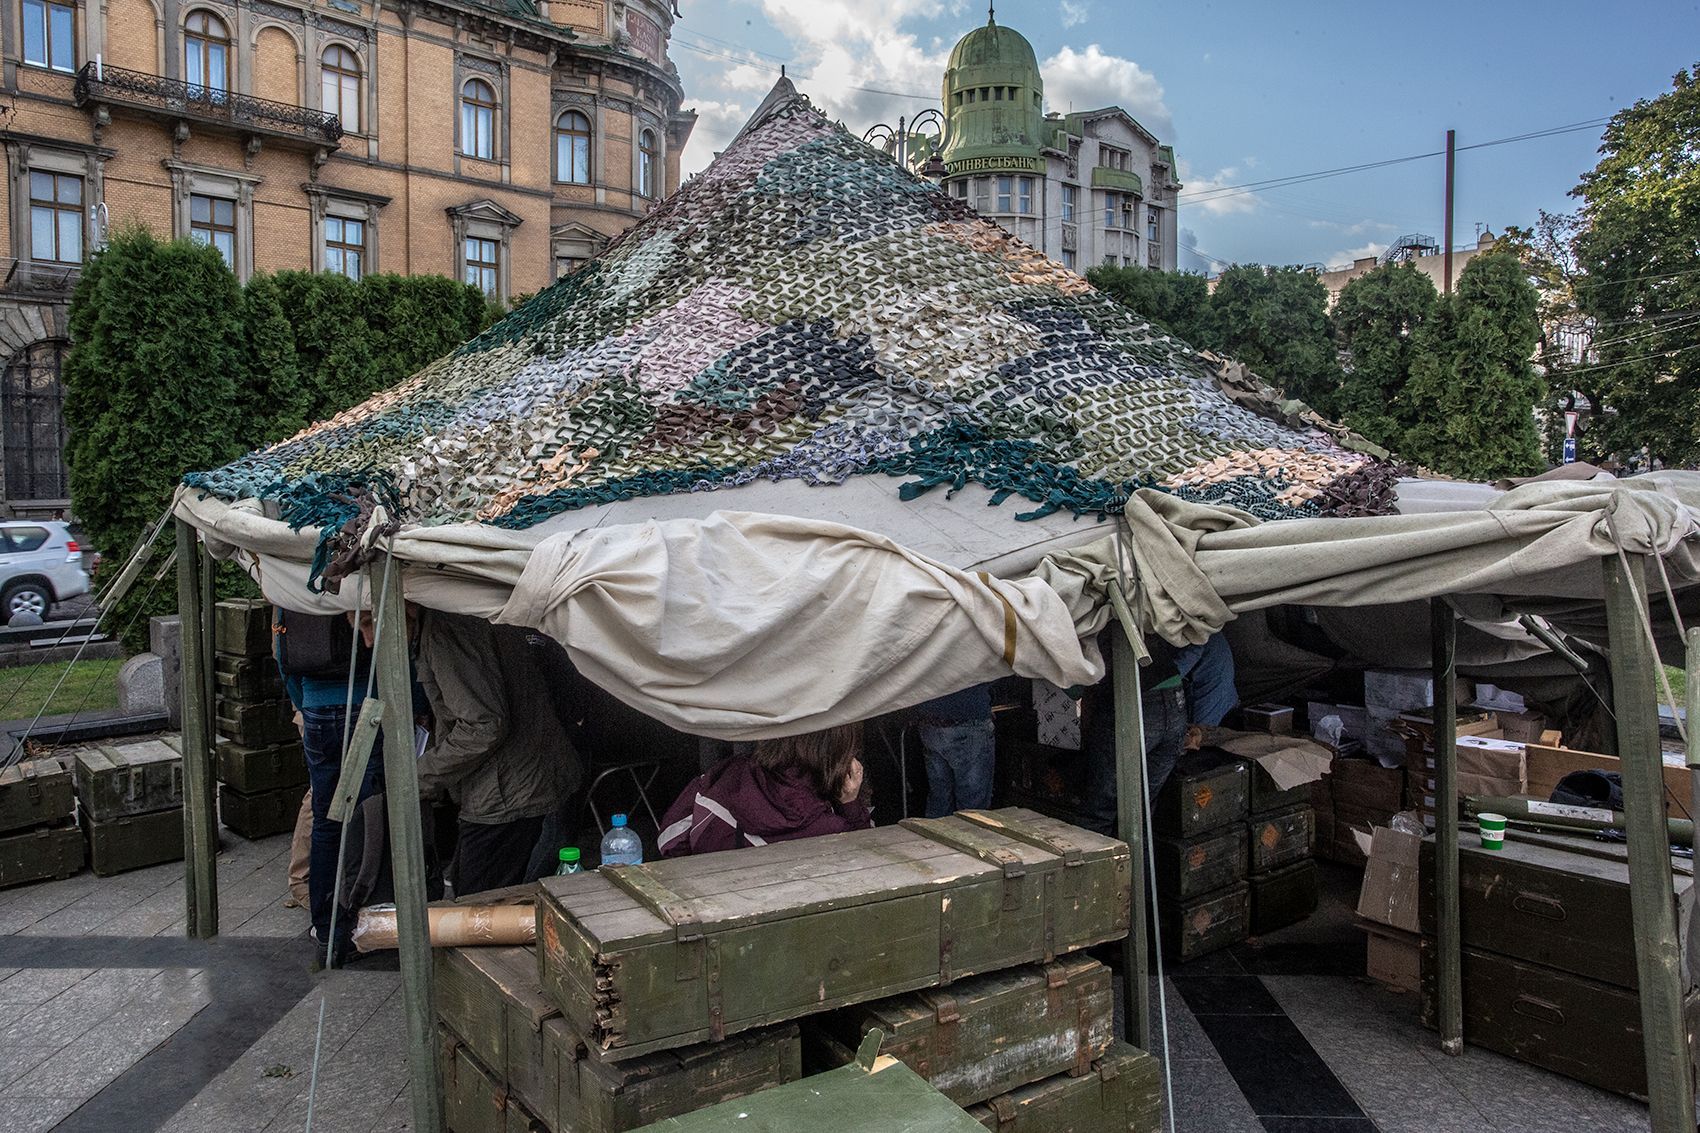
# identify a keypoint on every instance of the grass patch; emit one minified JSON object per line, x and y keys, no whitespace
{"x":1678,"y":683}
{"x":90,"y":686}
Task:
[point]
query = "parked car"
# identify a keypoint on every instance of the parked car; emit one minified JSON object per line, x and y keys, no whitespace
{"x":40,"y":563}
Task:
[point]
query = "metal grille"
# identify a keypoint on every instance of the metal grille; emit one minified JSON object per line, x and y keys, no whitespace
{"x":32,"y":400}
{"x":105,"y":83}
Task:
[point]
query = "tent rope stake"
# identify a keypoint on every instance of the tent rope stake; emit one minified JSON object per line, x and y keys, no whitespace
{"x":1670,"y":1086}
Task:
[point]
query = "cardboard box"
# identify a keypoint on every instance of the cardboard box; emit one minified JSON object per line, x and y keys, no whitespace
{"x":1364,"y":786}
{"x":1389,"y":894}
{"x":1275,"y":719}
{"x":1547,"y":765}
{"x":1393,"y":957}
{"x":1524,"y":727}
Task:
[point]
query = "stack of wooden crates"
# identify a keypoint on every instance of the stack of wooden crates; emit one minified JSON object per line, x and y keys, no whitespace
{"x":130,"y":802}
{"x":660,"y":989}
{"x":1233,"y":855}
{"x":38,"y":835}
{"x":261,"y":769}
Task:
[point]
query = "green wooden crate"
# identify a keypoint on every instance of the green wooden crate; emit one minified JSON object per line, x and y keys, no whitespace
{"x":1284,"y":896}
{"x":1122,"y":1094}
{"x":251,"y":769}
{"x":138,"y":777}
{"x":661,"y":955}
{"x":243,"y":627}
{"x":37,"y":792}
{"x":474,"y":1098}
{"x":987,"y":1035}
{"x":247,"y":679}
{"x":40,"y":854}
{"x":490,"y":999}
{"x":261,"y":814}
{"x":133,"y":841}
{"x":874,"y":1094}
{"x":1207,"y":791}
{"x":262,"y":724}
{"x":1281,"y":838}
{"x":1189,"y":867}
{"x":1201,"y":925}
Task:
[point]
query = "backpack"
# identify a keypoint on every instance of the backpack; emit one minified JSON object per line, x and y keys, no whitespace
{"x":316,"y":645}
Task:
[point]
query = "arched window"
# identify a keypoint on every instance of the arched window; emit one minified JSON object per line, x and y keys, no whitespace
{"x":572,"y":148}
{"x":32,"y":398}
{"x":206,"y":55}
{"x":339,"y":86}
{"x":648,"y":157}
{"x":478,"y":119}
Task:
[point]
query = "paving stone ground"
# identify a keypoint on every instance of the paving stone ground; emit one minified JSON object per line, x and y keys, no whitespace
{"x":110,"y":1020}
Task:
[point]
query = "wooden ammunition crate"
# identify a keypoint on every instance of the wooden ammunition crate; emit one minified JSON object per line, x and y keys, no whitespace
{"x":36,"y":855}
{"x":1208,"y":790}
{"x":1266,"y":796}
{"x":1284,"y":896}
{"x":119,"y":779}
{"x":250,"y":769}
{"x":259,"y":815}
{"x":1191,"y":867}
{"x":1281,"y":838}
{"x":247,"y":679}
{"x":474,"y":1098}
{"x":133,"y":841}
{"x":1549,"y":905}
{"x":1206,"y":924}
{"x":489,"y":998}
{"x":650,"y":957}
{"x":262,"y":724}
{"x":243,"y":626}
{"x":1122,"y":1093}
{"x":987,"y":1035}
{"x":37,"y":792}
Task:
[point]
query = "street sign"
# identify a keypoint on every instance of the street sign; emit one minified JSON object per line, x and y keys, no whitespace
{"x":1570,"y":450}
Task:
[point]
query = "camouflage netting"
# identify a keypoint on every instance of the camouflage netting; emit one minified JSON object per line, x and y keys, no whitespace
{"x":803,"y":309}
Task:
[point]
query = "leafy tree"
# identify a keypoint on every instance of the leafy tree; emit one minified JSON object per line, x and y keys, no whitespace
{"x":150,"y":390}
{"x":1176,"y":302}
{"x":1640,"y":252}
{"x":1378,"y":320}
{"x":1473,"y":389}
{"x":274,"y":403}
{"x":1548,"y":253}
{"x":1275,"y":320}
{"x":333,"y":344}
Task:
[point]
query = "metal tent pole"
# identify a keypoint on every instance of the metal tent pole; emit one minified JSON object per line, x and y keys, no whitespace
{"x":1443,"y":637}
{"x":200,"y":826}
{"x":1670,"y":1086}
{"x":407,"y":850}
{"x":1130,"y":819}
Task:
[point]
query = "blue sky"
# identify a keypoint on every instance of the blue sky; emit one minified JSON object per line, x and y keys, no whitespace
{"x":1246,"y":90}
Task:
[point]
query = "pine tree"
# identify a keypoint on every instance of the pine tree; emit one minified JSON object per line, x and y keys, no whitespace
{"x":275,"y":403}
{"x":1378,"y":320}
{"x":1275,"y":320}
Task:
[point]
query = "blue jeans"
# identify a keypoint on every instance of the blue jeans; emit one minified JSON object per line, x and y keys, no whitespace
{"x":960,"y":761}
{"x":1164,"y":714}
{"x":321,"y":737}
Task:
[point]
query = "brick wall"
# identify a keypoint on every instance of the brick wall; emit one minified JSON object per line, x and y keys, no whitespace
{"x":276,"y":68}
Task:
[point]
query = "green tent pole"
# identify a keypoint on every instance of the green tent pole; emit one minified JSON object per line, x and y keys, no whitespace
{"x":1130,"y":821}
{"x":200,"y":828}
{"x":1443,"y":637}
{"x":1670,"y":1085}
{"x":407,"y":851}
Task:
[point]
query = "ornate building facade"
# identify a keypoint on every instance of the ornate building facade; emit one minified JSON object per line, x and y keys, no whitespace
{"x":500,"y":142}
{"x":1086,"y":188}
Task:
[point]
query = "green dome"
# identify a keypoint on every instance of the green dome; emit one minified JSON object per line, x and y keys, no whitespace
{"x":996,"y":46}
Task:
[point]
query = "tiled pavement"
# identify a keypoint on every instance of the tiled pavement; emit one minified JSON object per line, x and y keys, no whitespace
{"x":111,"y":1020}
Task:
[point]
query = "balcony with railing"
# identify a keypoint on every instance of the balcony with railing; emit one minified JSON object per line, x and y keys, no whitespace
{"x":101,"y":85}
{"x":38,"y":279}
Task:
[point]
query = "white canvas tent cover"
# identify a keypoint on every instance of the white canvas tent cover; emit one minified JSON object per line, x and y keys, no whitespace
{"x":749,"y":338}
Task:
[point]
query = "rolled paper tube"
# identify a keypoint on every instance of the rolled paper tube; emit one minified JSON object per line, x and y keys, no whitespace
{"x":451,"y":926}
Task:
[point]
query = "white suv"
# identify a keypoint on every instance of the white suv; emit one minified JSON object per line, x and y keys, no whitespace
{"x":40,"y":564}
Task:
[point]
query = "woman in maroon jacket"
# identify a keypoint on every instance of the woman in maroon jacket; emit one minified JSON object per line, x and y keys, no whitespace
{"x":797,"y":787}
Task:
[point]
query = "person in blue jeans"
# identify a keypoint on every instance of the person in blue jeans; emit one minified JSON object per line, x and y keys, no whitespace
{"x":1190,"y":685}
{"x":961,"y":750}
{"x":325,"y":709}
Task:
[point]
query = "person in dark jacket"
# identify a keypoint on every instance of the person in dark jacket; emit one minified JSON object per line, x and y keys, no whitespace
{"x":498,"y":751}
{"x":797,"y":787}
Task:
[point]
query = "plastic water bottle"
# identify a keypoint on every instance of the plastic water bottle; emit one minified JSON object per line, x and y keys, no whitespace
{"x":620,"y":846}
{"x":569,"y":862}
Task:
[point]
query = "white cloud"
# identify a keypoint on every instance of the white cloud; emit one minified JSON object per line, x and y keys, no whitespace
{"x":1075,"y":13}
{"x":1089,"y":79}
{"x":1363,"y":251}
{"x":1209,"y":194}
{"x":717,"y":123}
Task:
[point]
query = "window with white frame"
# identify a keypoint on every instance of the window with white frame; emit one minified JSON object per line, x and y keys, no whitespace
{"x":1152,"y":225}
{"x":1070,"y":201}
{"x":1024,"y":195}
{"x":50,"y":35}
{"x":1006,"y":188}
{"x":1068,"y":259}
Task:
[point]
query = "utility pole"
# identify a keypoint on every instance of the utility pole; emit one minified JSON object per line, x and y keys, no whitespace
{"x":1446,"y":267}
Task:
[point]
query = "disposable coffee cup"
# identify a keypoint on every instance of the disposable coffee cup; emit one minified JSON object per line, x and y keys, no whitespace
{"x":1493,"y":831}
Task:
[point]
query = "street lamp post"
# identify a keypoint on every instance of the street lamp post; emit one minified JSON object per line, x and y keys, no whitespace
{"x":929,"y":124}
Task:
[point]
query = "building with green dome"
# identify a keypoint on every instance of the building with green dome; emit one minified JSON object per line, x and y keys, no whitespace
{"x":1086,"y":188}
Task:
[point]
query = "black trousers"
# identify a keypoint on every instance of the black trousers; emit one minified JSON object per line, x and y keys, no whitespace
{"x":494,"y":855}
